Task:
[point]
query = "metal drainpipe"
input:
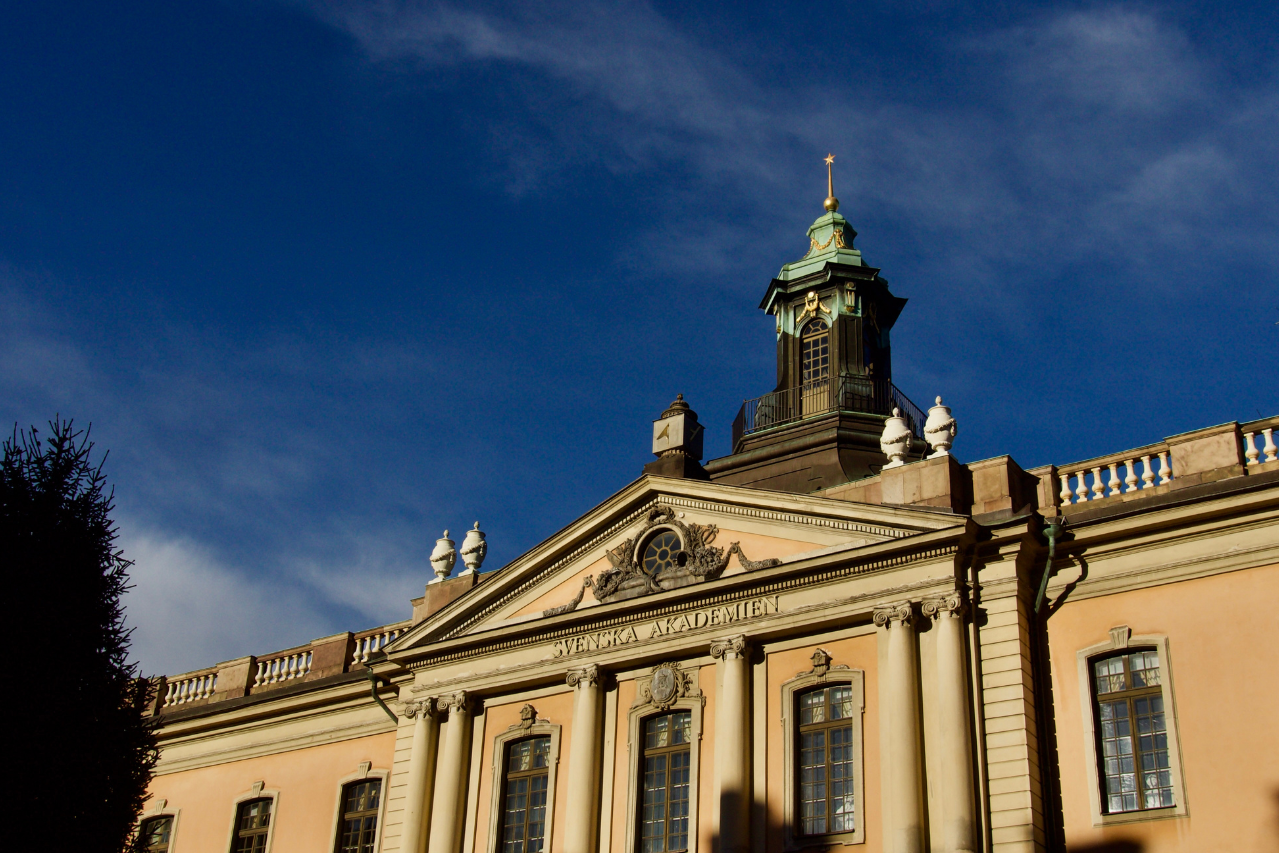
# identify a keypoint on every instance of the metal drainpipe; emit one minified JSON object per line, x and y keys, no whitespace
{"x":373,"y":679}
{"x":1043,"y":689}
{"x":1052,"y":531}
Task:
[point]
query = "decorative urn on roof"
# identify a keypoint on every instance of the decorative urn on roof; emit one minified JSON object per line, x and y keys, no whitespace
{"x":443,"y":557}
{"x":939,"y":430}
{"x":474,"y":549}
{"x":895,"y":440}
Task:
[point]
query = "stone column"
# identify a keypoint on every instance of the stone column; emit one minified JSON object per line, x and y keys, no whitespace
{"x":905,"y":794}
{"x":581,"y":835}
{"x":732,"y":751}
{"x":421,"y":781}
{"x":952,"y":701}
{"x":451,"y":776}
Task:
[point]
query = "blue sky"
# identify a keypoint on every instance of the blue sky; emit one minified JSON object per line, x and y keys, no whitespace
{"x":330,"y":277}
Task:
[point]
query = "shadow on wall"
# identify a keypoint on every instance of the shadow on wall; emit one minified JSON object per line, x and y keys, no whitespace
{"x":1107,"y":847}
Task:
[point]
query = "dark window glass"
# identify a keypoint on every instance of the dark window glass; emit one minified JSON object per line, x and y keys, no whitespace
{"x":1132,"y":732}
{"x":665,"y":769}
{"x":155,"y":834}
{"x":524,"y":797}
{"x":360,"y":803}
{"x":825,"y":760}
{"x":252,"y":822}
{"x":661,"y":553}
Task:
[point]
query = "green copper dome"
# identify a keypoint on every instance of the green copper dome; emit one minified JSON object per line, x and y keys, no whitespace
{"x":830,"y":238}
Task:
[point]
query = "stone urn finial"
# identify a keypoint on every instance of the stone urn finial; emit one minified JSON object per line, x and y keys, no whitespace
{"x":895,"y":440}
{"x":443,"y":557}
{"x":474,"y":549}
{"x":939,"y":430}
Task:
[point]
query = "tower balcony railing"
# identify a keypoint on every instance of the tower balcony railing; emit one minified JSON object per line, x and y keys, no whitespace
{"x":847,"y":393}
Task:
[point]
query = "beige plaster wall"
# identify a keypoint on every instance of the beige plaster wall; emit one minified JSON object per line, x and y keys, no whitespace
{"x":307,"y":780}
{"x":557,"y":709}
{"x":1221,"y":631}
{"x":857,"y":653}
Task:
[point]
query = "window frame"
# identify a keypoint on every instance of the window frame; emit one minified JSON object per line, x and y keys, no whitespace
{"x":365,"y":771}
{"x":669,"y":750}
{"x":1122,"y":639}
{"x":160,"y":809}
{"x":688,"y":698}
{"x":518,"y":732}
{"x":823,"y":674}
{"x":257,"y":792}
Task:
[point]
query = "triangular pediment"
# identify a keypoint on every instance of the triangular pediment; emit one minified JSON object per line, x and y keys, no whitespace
{"x":723,"y":530}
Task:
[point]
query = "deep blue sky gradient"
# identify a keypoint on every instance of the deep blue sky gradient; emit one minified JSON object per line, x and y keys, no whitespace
{"x":328,"y":278}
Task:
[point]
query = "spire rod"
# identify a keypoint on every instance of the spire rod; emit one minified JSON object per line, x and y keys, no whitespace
{"x":831,"y":203}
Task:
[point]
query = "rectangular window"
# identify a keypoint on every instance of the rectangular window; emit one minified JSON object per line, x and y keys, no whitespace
{"x":360,"y":803}
{"x":826,"y":760}
{"x":524,"y":798}
{"x":252,"y":823}
{"x":1132,"y":732}
{"x":666,"y":767}
{"x":156,"y":833}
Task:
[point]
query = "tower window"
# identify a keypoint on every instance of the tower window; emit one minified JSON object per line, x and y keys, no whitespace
{"x":524,"y":802}
{"x":1132,"y":732}
{"x":661,"y":553}
{"x":252,"y":824}
{"x":826,"y":760}
{"x":360,"y":801}
{"x":815,"y":351}
{"x":666,"y":767}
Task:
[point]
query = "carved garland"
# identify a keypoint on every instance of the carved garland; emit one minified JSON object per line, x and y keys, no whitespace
{"x":698,"y":557}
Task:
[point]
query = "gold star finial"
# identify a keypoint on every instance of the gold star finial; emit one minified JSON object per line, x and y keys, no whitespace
{"x":831,"y":203}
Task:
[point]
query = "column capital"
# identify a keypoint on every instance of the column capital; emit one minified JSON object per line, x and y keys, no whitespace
{"x":950,"y":604}
{"x":587,"y":676}
{"x":729,"y":648}
{"x":425,"y":706}
{"x":454,"y":703}
{"x":901,"y":613}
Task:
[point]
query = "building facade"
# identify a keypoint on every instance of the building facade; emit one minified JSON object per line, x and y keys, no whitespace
{"x":836,"y":638}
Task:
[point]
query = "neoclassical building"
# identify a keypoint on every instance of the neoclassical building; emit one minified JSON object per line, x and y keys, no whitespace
{"x":837,"y":638}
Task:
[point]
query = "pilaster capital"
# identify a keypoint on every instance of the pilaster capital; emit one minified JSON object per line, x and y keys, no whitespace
{"x":587,"y":676}
{"x":729,"y":648}
{"x":425,"y":707}
{"x":899,"y":613}
{"x":950,"y":604}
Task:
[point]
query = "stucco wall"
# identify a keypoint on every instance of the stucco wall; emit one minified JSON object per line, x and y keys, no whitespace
{"x":1220,"y":631}
{"x":305,"y":811}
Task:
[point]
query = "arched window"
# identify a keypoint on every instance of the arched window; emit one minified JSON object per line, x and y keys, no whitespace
{"x":252,"y":824}
{"x":661,"y":553}
{"x":526,"y":780}
{"x":665,"y":772}
{"x":814,"y":351}
{"x":156,"y":833}
{"x":360,"y":803}
{"x":1135,"y":767}
{"x":826,"y":716}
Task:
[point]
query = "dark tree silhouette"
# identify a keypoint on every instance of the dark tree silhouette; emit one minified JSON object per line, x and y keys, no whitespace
{"x":77,"y":738}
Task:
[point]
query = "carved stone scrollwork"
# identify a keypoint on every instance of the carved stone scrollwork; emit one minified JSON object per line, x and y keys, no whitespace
{"x":414,"y":707}
{"x":666,"y":686}
{"x":752,"y":565}
{"x":951,"y":604}
{"x":729,"y":647}
{"x":587,"y":676}
{"x":822,"y":665}
{"x":528,"y":716}
{"x":900,"y":613}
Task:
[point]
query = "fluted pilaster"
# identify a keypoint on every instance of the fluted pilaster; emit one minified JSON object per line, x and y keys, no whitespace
{"x":958,"y":796}
{"x":452,"y":773}
{"x":732,"y":750}
{"x":905,"y":794}
{"x":584,"y":760}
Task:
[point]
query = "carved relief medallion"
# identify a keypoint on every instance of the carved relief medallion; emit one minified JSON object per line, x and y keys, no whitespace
{"x":664,"y":687}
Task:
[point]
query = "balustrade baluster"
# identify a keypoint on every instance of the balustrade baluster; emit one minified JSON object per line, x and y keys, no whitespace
{"x":1250,"y":451}
{"x":1272,"y":452}
{"x":1081,"y":491}
{"x":1098,"y":490}
{"x":1147,"y":473}
{"x":1065,"y":489}
{"x":1131,"y":480}
{"x":1112,"y":485}
{"x":1165,"y":469}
